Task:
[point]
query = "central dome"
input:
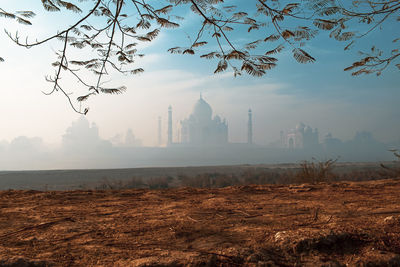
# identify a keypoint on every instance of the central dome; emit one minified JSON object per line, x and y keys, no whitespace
{"x":202,"y":110}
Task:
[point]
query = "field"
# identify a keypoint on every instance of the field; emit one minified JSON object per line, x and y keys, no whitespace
{"x":97,"y":178}
{"x":324,"y":224}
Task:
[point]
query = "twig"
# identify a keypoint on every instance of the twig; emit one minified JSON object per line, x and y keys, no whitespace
{"x":192,"y":219}
{"x":38,"y":226}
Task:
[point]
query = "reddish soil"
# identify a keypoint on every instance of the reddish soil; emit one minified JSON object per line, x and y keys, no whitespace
{"x":328,"y":224}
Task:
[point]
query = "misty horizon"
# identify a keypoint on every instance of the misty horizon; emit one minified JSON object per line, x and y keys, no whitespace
{"x":83,"y":147}
{"x":350,"y":112}
{"x":119,"y":138}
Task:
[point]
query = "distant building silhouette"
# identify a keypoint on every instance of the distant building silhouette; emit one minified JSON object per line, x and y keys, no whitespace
{"x":250,"y":128}
{"x":169,"y":142}
{"x":81,"y":133}
{"x":201,"y":129}
{"x":83,"y":137}
{"x":300,"y":137}
{"x":131,"y":140}
{"x":159,"y":132}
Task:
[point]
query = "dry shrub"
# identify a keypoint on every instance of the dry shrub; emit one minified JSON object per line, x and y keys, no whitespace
{"x":267,"y":176}
{"x":316,"y":171}
{"x":109,"y":184}
{"x":135,"y":182}
{"x":209,"y":180}
{"x":307,"y":172}
{"x":159,"y":182}
{"x":393,"y":172}
{"x":362,"y":175}
{"x":112,"y":184}
{"x":248,"y":177}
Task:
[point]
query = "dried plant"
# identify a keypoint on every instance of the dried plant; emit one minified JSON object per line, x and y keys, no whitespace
{"x":316,"y":171}
{"x":307,"y":172}
{"x":393,"y":171}
{"x":110,"y":31}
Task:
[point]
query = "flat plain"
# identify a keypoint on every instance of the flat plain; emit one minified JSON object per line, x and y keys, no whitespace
{"x":324,"y":224}
{"x":71,"y":179}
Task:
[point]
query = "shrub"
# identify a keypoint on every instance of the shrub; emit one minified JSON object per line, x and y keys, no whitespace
{"x":135,"y":182}
{"x":158,"y":182}
{"x":316,"y":171}
{"x":393,"y":171}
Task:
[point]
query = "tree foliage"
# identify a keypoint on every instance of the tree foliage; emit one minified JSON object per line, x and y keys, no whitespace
{"x":111,"y":30}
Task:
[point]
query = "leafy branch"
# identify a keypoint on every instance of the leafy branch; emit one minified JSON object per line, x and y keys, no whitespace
{"x":110,"y":30}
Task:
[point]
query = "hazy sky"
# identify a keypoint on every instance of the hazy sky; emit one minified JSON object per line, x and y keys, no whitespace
{"x":321,"y":95}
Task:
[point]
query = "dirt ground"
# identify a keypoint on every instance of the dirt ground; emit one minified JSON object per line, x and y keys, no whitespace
{"x":329,"y":224}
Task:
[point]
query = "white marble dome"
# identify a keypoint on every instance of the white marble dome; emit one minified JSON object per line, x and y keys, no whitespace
{"x":202,"y":110}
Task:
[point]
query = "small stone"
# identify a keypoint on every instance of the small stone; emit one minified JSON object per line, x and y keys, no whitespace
{"x":392,"y":220}
{"x":280,"y":236}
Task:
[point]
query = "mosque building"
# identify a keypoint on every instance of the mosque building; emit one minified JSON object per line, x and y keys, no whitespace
{"x":201,"y":128}
{"x":301,"y":137}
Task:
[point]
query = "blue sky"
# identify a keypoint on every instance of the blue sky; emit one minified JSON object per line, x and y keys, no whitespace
{"x":321,"y":94}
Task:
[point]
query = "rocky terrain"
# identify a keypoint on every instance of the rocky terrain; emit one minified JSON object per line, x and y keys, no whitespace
{"x":325,"y":224}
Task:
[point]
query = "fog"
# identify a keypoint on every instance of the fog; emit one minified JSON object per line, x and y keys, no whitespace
{"x":357,"y":117}
{"x":83,"y":148}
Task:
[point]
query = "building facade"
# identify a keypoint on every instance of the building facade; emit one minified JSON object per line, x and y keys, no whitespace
{"x":200,"y":128}
{"x":301,"y":137}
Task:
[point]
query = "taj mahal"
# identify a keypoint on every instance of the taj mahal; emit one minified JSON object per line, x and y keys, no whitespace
{"x":201,"y":128}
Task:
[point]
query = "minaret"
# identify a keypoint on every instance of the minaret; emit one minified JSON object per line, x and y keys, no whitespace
{"x":169,"y":125}
{"x":159,"y":131}
{"x":250,"y":129}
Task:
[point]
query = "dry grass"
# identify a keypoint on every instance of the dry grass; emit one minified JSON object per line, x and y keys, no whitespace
{"x":324,"y":224}
{"x":393,"y":171}
{"x":306,"y":172}
{"x":316,"y":171}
